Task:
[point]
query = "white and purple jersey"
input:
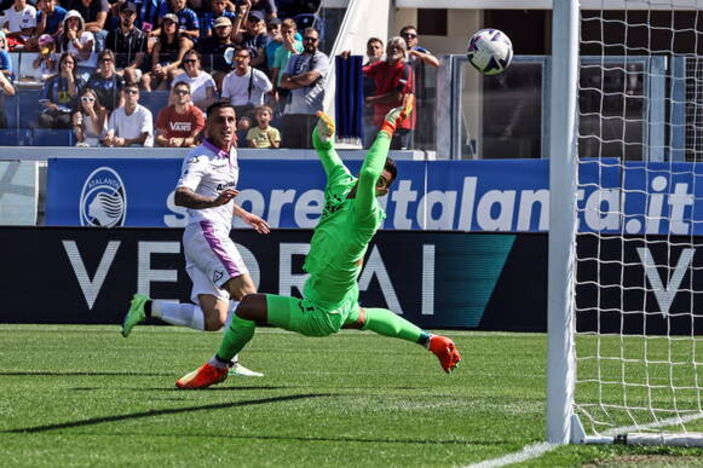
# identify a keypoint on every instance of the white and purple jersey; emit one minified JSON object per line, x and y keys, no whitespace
{"x":208,"y":170}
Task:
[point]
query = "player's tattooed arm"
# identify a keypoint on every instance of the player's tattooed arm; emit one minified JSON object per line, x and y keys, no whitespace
{"x":189,"y":199}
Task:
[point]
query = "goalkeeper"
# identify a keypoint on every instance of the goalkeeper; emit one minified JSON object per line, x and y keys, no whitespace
{"x":349,"y":220}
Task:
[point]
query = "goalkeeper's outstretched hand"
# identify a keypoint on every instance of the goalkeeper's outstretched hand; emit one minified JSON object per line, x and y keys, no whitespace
{"x":325,"y":127}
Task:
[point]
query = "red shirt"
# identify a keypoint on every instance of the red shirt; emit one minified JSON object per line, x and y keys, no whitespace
{"x":391,"y":77}
{"x":175,"y":125}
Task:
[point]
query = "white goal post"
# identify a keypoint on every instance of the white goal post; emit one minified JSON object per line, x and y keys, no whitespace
{"x":625,"y":301}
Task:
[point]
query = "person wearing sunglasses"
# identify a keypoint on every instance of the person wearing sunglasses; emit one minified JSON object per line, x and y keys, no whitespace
{"x":305,"y":77}
{"x":130,"y":124}
{"x":90,"y":120}
{"x":416,"y":53}
{"x":179,"y":124}
{"x":254,"y":37}
{"x":202,"y":85}
{"x":106,"y":82}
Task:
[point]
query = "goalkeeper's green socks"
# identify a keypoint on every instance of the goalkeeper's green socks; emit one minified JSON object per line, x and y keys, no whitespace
{"x":386,"y":323}
{"x":237,"y":335}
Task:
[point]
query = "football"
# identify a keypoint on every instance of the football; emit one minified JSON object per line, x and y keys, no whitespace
{"x":490,"y":51}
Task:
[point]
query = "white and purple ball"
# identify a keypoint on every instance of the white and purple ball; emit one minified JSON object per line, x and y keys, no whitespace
{"x":490,"y":51}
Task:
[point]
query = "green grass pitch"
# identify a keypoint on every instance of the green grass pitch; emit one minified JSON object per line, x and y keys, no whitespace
{"x":83,"y":395}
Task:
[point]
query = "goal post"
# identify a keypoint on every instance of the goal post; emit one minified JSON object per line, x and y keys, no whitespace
{"x":625,"y":299}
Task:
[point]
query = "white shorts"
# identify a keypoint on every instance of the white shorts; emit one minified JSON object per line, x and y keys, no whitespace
{"x":212,"y":259}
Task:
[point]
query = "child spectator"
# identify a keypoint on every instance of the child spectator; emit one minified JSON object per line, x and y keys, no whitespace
{"x":263,"y":135}
{"x":179,"y":124}
{"x":45,"y":61}
{"x":90,"y":120}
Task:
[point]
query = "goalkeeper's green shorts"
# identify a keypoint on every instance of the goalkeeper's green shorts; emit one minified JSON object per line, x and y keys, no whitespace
{"x":305,"y":317}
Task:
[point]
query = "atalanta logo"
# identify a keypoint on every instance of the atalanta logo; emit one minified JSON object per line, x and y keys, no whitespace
{"x":103,"y":199}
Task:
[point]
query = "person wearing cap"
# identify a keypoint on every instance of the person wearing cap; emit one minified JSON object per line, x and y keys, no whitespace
{"x":267,"y":8}
{"x":45,"y":61}
{"x":129,"y":44}
{"x":166,"y":55}
{"x":79,"y":42}
{"x":18,"y":22}
{"x":254,"y":37}
{"x":208,"y":19}
{"x":273,"y":28}
{"x":188,"y":23}
{"x":213,"y":49}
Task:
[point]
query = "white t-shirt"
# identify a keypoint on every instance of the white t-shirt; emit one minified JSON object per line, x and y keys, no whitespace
{"x":249,"y":88}
{"x":198,"y":85}
{"x":92,"y":60}
{"x":132,"y":126}
{"x":208,"y":170}
{"x":19,"y":20}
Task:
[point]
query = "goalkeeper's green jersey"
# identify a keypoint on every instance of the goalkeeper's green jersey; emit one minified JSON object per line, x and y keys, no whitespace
{"x":346,"y":227}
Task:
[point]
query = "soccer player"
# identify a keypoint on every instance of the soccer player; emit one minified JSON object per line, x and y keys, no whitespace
{"x":350,"y":218}
{"x":207,"y":187}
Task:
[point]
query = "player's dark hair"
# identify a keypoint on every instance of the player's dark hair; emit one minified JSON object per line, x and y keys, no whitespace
{"x":219,"y":105}
{"x":392,"y":169}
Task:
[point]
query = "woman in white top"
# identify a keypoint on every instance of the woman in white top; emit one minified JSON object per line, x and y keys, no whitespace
{"x":90,"y":121}
{"x":203,"y":89}
{"x":79,"y":43}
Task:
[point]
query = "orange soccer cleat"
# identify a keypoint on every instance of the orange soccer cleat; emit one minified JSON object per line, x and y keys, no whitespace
{"x":446,"y":352}
{"x":202,"y":377}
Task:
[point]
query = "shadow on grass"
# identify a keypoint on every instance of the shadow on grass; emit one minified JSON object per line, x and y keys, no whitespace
{"x":174,"y":389}
{"x":147,"y":414}
{"x":75,"y":374}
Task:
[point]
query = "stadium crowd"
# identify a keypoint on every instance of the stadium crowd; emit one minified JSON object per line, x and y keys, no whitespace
{"x":96,"y":59}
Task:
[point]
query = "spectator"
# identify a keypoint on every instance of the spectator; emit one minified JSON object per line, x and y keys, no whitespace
{"x":130,"y":124}
{"x":129,"y":44}
{"x":244,"y":87}
{"x":106,"y":83}
{"x":90,"y":120}
{"x":213,"y":49}
{"x":79,"y":42}
{"x":59,"y":94}
{"x":166,"y":55}
{"x":393,"y":78}
{"x":18,"y":23}
{"x":374,"y":53}
{"x":290,"y":47}
{"x":179,"y":124}
{"x":147,"y":15}
{"x":305,"y":77}
{"x":94,"y":14}
{"x":254,"y":37}
{"x":187,"y":21}
{"x":266,"y":7}
{"x":49,"y":20}
{"x":415,"y":52}
{"x":6,"y":89}
{"x":275,"y":41}
{"x":243,"y":126}
{"x":218,"y":10}
{"x":46,"y":60}
{"x":263,"y":135}
{"x":5,"y":61}
{"x":202,"y":86}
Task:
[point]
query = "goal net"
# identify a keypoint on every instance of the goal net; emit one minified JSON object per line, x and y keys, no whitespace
{"x":635,"y":288}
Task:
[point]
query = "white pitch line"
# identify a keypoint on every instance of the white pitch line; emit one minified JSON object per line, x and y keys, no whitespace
{"x":528,"y":452}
